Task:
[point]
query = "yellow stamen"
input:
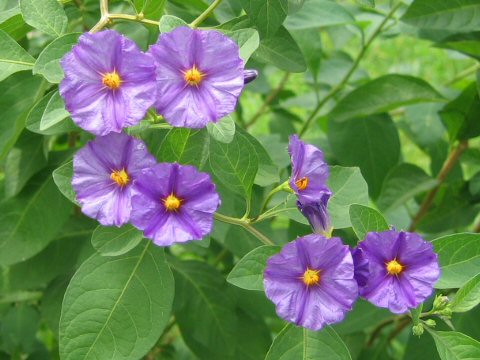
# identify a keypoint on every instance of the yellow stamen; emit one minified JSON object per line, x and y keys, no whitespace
{"x":302,"y":183}
{"x":193,"y":76}
{"x":172,"y":203}
{"x":120,"y":177}
{"x":394,"y":267}
{"x":112,"y":80}
{"x":311,"y":277}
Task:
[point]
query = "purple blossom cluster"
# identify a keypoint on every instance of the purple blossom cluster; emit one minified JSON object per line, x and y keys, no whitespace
{"x":109,"y":85}
{"x":315,"y":280}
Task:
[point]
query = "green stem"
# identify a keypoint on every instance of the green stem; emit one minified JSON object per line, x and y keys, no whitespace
{"x":161,"y":126}
{"x":282,"y":187}
{"x":350,"y":72}
{"x":205,"y":14}
{"x":133,"y":18}
{"x":246,"y":225}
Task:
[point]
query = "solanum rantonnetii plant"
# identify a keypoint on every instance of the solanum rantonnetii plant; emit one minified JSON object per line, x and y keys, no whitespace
{"x":239,"y":179}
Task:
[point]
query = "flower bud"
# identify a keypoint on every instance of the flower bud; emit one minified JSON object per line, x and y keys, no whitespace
{"x":430,"y":323}
{"x":440,"y":302}
{"x":417,"y":330}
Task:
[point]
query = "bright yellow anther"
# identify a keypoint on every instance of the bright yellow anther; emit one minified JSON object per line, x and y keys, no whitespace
{"x":311,"y":277}
{"x":172,"y":203}
{"x":120,"y":177}
{"x":112,"y":80}
{"x":193,"y":76}
{"x":302,"y":183}
{"x":394,"y":267}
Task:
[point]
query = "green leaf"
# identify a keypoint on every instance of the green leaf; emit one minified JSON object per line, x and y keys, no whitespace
{"x":54,"y":113}
{"x":383,"y":94}
{"x":247,"y":39}
{"x":453,"y":345}
{"x":282,"y":51}
{"x":13,"y":57}
{"x":363,"y":315}
{"x":63,"y":179}
{"x":296,"y":343}
{"x":234,"y":164}
{"x":19,"y":92}
{"x":25,"y":227}
{"x":466,"y":43}
{"x":370,"y":3}
{"x":348,"y":187}
{"x":205,"y":311}
{"x":365,"y":219}
{"x":48,"y":62}
{"x":45,"y":15}
{"x":248,"y":272}
{"x":170,"y":22}
{"x":459,"y":256}
{"x":113,"y":241}
{"x":401,"y":184}
{"x":318,"y":13}
{"x":185,"y":146}
{"x":11,"y":21}
{"x":152,"y":9}
{"x":370,"y":143}
{"x":116,"y":308}
{"x":25,"y":159}
{"x":459,"y":15}
{"x":266,"y":15}
{"x":468,"y":296}
{"x":18,"y":329}
{"x":223,"y":130}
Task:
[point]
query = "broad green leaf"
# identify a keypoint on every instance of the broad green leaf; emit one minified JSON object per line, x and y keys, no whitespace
{"x":348,"y":187}
{"x":13,"y":57}
{"x":234,"y":164}
{"x":169,"y":22}
{"x":205,"y":311}
{"x":401,"y":184}
{"x":371,"y":143}
{"x":468,"y":296}
{"x":252,"y":337}
{"x":152,"y":9}
{"x":459,"y":257}
{"x":466,"y":43}
{"x":318,"y":13}
{"x":185,"y":146}
{"x":51,"y":306}
{"x":248,"y":272}
{"x":383,"y":94}
{"x":247,"y":39}
{"x":223,"y":130}
{"x":363,"y":315}
{"x":113,"y":241}
{"x":62,"y":177}
{"x":11,"y":21}
{"x":25,"y":226}
{"x":370,"y":3}
{"x":266,"y":15}
{"x":116,"y":308}
{"x":54,"y":113}
{"x":365,"y":219}
{"x":48,"y":62}
{"x":36,"y":115}
{"x":452,"y":345}
{"x":19,"y":92}
{"x":25,"y":159}
{"x":282,"y":51}
{"x":18,"y":329}
{"x":296,"y":343}
{"x":459,"y":15}
{"x":45,"y":15}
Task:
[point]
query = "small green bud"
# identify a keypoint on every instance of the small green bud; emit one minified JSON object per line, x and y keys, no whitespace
{"x":417,"y":330}
{"x":440,"y":302}
{"x":447,"y":312}
{"x":430,"y":323}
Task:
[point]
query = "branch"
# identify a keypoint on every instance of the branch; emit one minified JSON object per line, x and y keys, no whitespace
{"x":245,"y":223}
{"x":205,"y":14}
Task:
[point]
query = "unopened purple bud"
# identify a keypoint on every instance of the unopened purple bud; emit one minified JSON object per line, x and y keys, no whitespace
{"x":249,"y":75}
{"x":317,"y":215}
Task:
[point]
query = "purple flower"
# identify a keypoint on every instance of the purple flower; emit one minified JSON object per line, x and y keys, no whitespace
{"x":402,"y":269}
{"x":309,"y":172}
{"x":174,"y":203}
{"x":361,"y":266}
{"x":109,"y":83}
{"x":103,"y":174}
{"x":317,"y":215}
{"x":199,"y":76}
{"x":311,"y":281}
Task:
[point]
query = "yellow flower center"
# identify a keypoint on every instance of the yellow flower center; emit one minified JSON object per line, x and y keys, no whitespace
{"x":394,"y":267}
{"x":120,"y":177}
{"x":172,"y":203}
{"x":193,"y":76}
{"x":112,"y":80}
{"x":311,"y":277}
{"x":302,"y":183}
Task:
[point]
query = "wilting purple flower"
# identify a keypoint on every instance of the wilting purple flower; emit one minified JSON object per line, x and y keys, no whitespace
{"x":311,"y":281}
{"x":361,"y":266}
{"x":174,"y":203}
{"x":109,"y":83}
{"x":199,"y":76}
{"x":103,"y":174}
{"x":402,"y":269}
{"x":249,"y":76}
{"x":317,"y":215}
{"x":309,"y":172}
